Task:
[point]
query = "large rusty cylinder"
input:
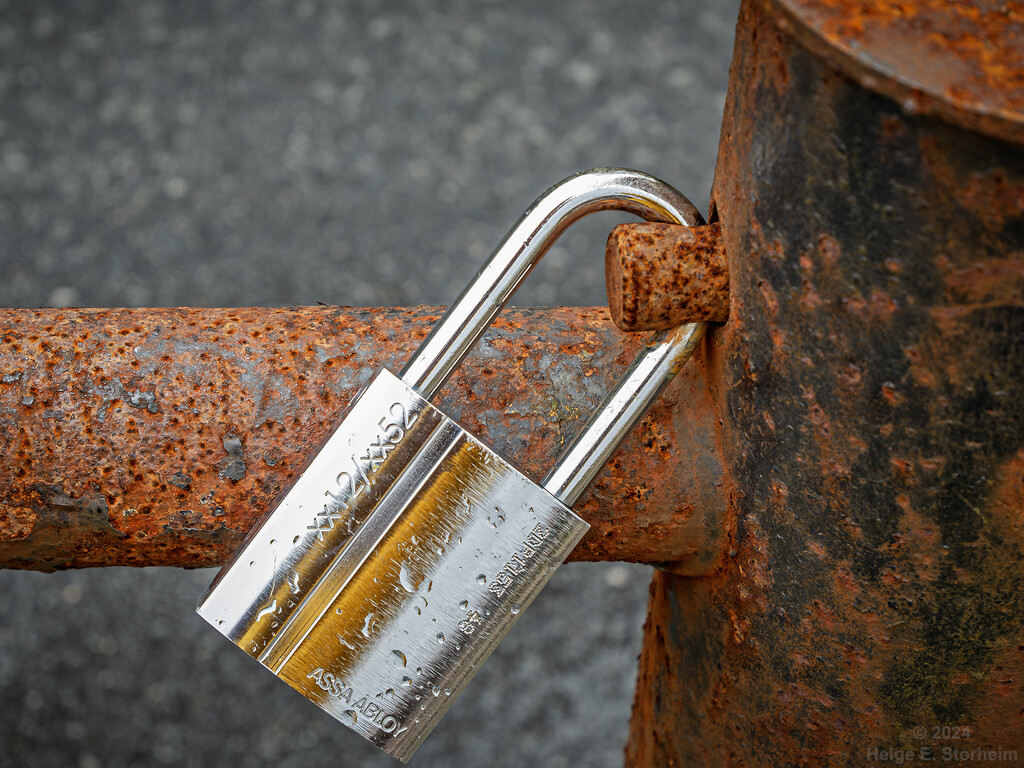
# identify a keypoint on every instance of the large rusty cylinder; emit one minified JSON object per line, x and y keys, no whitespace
{"x":663,"y":275}
{"x":161,"y":436}
{"x":870,"y":389}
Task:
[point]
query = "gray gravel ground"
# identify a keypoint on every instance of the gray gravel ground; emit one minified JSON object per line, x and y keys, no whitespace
{"x":363,"y":153}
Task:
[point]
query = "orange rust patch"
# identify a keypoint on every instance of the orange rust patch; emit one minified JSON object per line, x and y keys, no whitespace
{"x":829,"y":250}
{"x":16,"y":522}
{"x":996,"y":281}
{"x":902,"y":467}
{"x":770,"y":301}
{"x":993,"y":196}
{"x":851,"y":376}
{"x":883,"y":306}
{"x":1007,"y":504}
{"x":889,"y":394}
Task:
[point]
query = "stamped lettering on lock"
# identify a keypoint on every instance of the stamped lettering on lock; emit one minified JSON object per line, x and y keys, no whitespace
{"x":351,"y":483}
{"x":337,"y":689}
{"x":519,"y":560}
{"x":469,"y":624}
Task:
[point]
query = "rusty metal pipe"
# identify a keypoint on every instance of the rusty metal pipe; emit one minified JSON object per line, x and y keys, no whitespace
{"x":159,"y":437}
{"x":663,"y":275}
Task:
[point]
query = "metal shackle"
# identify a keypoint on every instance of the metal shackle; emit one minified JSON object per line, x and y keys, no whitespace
{"x":664,"y":353}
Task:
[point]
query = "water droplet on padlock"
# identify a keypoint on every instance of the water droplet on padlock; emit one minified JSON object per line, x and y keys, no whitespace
{"x":406,"y":681}
{"x":296,"y":540}
{"x":369,"y":624}
{"x":464,"y":605}
{"x":440,"y":637}
{"x":351,"y":715}
{"x":405,"y":578}
{"x":447,"y":691}
{"x":399,"y":656}
{"x":436,"y":690}
{"x":481,"y":579}
{"x":514,"y":608}
{"x":419,"y":670}
{"x":273,"y":542}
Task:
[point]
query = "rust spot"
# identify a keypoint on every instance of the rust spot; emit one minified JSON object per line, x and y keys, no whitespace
{"x":883,"y":306}
{"x":888,"y":393}
{"x":996,"y":281}
{"x":851,"y":375}
{"x":828,"y":249}
{"x":16,"y":522}
{"x":995,"y":197}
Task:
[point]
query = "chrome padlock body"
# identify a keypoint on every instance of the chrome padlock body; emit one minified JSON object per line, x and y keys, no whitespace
{"x":378,"y":602}
{"x":406,"y":549}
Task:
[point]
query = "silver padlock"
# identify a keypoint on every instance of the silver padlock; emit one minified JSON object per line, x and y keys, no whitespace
{"x":406,"y":548}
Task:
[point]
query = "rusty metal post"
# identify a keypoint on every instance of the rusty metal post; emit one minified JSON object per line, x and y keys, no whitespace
{"x":870,"y":387}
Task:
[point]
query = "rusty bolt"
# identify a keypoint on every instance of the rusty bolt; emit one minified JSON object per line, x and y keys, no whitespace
{"x":663,"y":275}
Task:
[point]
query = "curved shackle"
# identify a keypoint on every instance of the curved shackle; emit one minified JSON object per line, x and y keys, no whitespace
{"x":450,"y":340}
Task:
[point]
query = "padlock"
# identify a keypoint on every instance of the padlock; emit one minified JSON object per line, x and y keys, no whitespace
{"x":406,"y":548}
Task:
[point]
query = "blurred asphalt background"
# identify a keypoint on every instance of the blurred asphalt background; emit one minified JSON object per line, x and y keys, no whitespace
{"x":288,"y":152}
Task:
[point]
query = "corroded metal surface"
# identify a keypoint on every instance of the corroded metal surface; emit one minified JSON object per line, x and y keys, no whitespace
{"x":662,"y":275}
{"x":963,"y":62}
{"x":159,"y":437}
{"x":869,"y":387}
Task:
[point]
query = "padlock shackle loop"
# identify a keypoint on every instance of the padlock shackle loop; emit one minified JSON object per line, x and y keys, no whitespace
{"x":665,"y":354}
{"x":601,"y":189}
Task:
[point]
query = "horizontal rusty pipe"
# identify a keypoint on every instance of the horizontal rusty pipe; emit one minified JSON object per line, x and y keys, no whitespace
{"x":159,"y":437}
{"x":663,"y":275}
